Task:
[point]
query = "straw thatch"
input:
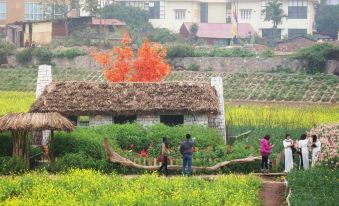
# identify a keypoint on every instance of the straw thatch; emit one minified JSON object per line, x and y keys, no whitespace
{"x":81,"y":98}
{"x":35,"y":122}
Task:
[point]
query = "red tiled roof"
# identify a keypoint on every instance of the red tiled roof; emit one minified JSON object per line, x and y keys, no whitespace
{"x":220,"y":30}
{"x":115,"y":22}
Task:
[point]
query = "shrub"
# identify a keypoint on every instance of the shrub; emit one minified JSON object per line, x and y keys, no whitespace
{"x":314,"y":57}
{"x":162,"y":35}
{"x":77,"y":160}
{"x":267,"y":53}
{"x":69,"y":53}
{"x":25,"y":56}
{"x":180,"y":51}
{"x":43,"y":54}
{"x":12,"y":165}
{"x":5,"y":50}
{"x":306,"y":189}
{"x":6,"y":144}
{"x":193,"y":67}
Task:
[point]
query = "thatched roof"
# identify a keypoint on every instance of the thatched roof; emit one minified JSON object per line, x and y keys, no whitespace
{"x":80,"y":98}
{"x":35,"y":122}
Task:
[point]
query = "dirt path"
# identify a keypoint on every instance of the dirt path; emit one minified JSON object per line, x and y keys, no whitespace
{"x":273,"y":193}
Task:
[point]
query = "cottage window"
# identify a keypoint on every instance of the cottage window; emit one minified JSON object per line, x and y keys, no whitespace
{"x":3,"y":9}
{"x":180,"y":13}
{"x":73,"y":119}
{"x":124,"y":119}
{"x":172,"y":120}
{"x":245,"y":14}
{"x":297,"y":9}
{"x":84,"y":121}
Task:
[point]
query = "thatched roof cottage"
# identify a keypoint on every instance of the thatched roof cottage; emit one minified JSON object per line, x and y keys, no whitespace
{"x":91,"y":103}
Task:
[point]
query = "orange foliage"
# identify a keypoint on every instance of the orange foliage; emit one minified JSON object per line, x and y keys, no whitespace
{"x":149,"y":65}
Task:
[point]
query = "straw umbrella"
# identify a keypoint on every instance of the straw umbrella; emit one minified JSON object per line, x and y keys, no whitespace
{"x":20,"y":124}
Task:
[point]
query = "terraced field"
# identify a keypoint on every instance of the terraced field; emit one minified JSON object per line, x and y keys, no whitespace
{"x":292,"y":87}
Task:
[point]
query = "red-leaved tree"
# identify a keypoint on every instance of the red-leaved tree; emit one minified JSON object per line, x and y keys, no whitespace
{"x":120,"y":66}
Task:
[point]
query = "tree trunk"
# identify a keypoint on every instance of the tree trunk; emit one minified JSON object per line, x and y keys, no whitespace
{"x":51,"y":147}
{"x":116,"y":158}
{"x":21,"y":145}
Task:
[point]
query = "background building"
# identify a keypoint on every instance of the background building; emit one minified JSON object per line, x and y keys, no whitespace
{"x":172,"y":14}
{"x":29,"y":10}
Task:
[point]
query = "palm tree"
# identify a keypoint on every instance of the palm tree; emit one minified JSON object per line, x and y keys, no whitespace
{"x":274,"y":12}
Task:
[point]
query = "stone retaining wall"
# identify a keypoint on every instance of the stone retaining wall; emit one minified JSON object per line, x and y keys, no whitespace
{"x":236,"y":64}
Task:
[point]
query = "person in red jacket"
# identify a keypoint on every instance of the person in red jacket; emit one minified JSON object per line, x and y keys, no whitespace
{"x":265,"y":150}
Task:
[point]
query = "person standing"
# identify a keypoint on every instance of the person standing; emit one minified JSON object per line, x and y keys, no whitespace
{"x":265,"y":150}
{"x":186,"y":152}
{"x":303,"y":145}
{"x":288,"y":145}
{"x":316,"y":145}
{"x":165,"y":154}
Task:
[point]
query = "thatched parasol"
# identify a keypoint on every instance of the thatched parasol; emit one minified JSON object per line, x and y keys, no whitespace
{"x":20,"y":124}
{"x":35,"y":122}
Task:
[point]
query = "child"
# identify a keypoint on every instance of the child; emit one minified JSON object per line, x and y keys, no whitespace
{"x":265,"y":150}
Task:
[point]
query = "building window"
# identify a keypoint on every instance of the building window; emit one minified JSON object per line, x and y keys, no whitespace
{"x":245,"y":13}
{"x":268,"y":33}
{"x":296,"y":32}
{"x":172,"y":120}
{"x":124,"y":119}
{"x":84,"y":121}
{"x":204,"y":12}
{"x":297,"y":9}
{"x":228,"y":12}
{"x":33,"y":11}
{"x":180,"y":13}
{"x":264,"y":3}
{"x":3,"y":9}
{"x":332,"y":2}
{"x":220,"y":42}
{"x":154,"y":10}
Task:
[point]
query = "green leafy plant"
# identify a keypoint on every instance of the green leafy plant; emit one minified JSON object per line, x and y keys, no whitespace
{"x":44,"y":55}
{"x":25,"y":56}
{"x":69,"y":53}
{"x":315,"y":57}
{"x":267,"y":53}
{"x":5,"y":50}
{"x":12,"y":165}
{"x":193,"y":67}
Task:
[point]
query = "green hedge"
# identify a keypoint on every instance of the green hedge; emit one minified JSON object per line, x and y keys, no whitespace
{"x":315,"y":57}
{"x":12,"y":165}
{"x":317,"y":186}
{"x":182,"y":50}
{"x":69,"y":53}
{"x":25,"y":56}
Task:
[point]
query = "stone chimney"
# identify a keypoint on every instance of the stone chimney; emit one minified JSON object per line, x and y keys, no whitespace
{"x":218,"y":121}
{"x":44,"y":79}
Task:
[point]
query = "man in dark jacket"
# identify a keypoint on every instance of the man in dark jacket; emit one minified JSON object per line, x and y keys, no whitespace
{"x":186,"y":152}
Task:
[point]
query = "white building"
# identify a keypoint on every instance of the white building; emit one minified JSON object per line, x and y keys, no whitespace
{"x":172,"y":13}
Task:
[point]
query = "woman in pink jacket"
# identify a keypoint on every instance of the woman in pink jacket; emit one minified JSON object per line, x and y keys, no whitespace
{"x":265,"y":150}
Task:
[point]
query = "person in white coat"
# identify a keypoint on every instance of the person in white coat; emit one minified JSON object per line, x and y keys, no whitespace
{"x":303,"y":145}
{"x":288,"y":145}
{"x":316,"y":146}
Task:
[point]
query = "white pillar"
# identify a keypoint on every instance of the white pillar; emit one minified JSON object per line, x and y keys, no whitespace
{"x":43,"y":80}
{"x":219,"y":120}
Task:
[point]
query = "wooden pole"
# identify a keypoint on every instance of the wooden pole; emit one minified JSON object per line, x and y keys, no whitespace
{"x":51,"y":148}
{"x":21,"y":146}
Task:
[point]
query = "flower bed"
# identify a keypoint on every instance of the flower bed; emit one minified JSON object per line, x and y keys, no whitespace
{"x":329,"y":138}
{"x":86,"y":187}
